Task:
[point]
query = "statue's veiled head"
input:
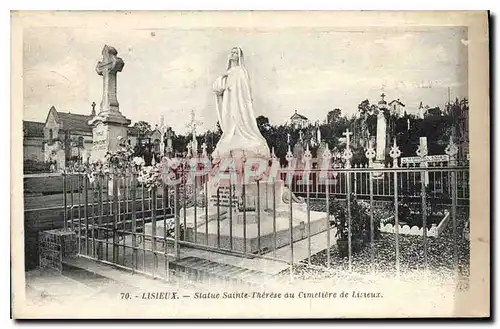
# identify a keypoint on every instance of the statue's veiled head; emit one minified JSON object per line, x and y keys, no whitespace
{"x":235,"y":57}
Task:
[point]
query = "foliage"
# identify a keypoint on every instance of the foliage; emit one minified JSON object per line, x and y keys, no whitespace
{"x":360,"y":219}
{"x":34,"y":166}
{"x":333,"y":116}
{"x":143,"y":128}
{"x":120,"y":162}
{"x":407,"y":130}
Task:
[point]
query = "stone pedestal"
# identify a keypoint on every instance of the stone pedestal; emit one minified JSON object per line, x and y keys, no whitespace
{"x":257,"y":227}
{"x":378,"y":164}
{"x":106,"y":132}
{"x":257,"y":231}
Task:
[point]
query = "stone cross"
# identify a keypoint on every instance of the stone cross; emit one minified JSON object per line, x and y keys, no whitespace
{"x":108,"y":68}
{"x":383,"y":95}
{"x":347,"y":134}
{"x":300,"y":135}
{"x":93,"y":108}
{"x":288,"y":138}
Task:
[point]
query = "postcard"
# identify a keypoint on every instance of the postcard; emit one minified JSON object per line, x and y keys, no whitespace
{"x":250,"y":164}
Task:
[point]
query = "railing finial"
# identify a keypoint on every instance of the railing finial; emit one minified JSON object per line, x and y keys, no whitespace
{"x":395,"y":153}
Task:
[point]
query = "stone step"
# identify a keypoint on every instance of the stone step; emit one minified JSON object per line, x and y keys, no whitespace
{"x":202,"y":270}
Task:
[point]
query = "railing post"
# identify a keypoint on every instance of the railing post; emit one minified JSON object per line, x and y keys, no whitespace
{"x":347,"y":157}
{"x":422,"y":153}
{"x":71,"y":215}
{"x":395,"y":153}
{"x":307,"y":161}
{"x":349,"y":228}
{"x":177,"y":249}
{"x":100,"y":209}
{"x":195,"y":209}
{"x":79,"y":214}
{"x":134,"y":222}
{"x":327,"y":157}
{"x":165,"y":240}
{"x":452,"y":150}
{"x":85,"y":213}
{"x":231,"y":211}
{"x":258,"y":218}
{"x":115,"y":217}
{"x":244,"y":204}
{"x":218,"y":216}
{"x":153,"y":229}
{"x":370,"y":155}
{"x":274,"y":216}
{"x":206,"y":212}
{"x":65,"y":200}
{"x":289,"y":158}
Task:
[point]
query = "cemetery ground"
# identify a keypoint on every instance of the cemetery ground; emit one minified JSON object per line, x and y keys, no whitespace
{"x":439,"y":252}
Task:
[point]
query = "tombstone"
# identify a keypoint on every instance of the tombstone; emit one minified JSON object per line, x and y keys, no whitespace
{"x":380,"y":140}
{"x":381,"y":137}
{"x":109,"y":123}
{"x":298,"y":153}
{"x":319,"y":154}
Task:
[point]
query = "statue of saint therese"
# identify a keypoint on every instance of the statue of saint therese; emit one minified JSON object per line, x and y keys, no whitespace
{"x":233,"y":100}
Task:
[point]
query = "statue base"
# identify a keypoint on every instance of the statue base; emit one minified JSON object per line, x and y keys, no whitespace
{"x":256,"y":227}
{"x":255,"y":231}
{"x":378,"y":165}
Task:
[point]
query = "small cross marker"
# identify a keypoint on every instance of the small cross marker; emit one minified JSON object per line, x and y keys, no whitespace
{"x":347,"y":134}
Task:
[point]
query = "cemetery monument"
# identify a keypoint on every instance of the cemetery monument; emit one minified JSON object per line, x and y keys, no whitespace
{"x":240,"y":217}
{"x":109,"y":123}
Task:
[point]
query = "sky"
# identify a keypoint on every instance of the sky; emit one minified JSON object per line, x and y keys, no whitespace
{"x":170,"y":72}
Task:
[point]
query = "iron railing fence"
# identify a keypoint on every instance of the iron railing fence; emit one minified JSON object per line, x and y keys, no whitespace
{"x":120,"y":221}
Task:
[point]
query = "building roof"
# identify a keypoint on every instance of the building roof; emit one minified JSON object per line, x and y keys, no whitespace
{"x":298,"y":116}
{"x":397,"y":101}
{"x":72,"y":121}
{"x":33,"y":128}
{"x":78,"y":122}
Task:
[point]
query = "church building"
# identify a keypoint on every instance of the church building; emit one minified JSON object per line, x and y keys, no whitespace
{"x":299,"y":121}
{"x":62,"y":138}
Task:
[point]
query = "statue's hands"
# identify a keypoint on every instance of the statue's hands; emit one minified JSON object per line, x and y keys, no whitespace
{"x":219,"y":86}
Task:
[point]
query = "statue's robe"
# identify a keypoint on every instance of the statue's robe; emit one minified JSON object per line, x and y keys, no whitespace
{"x":236,"y":117}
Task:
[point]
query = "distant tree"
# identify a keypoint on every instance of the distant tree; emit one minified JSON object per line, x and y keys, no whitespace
{"x":218,"y":128}
{"x":143,"y":128}
{"x":262,"y":121}
{"x":368,"y":115}
{"x":333,"y":116}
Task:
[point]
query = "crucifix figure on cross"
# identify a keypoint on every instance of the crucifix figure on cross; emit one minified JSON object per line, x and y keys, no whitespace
{"x":347,"y":134}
